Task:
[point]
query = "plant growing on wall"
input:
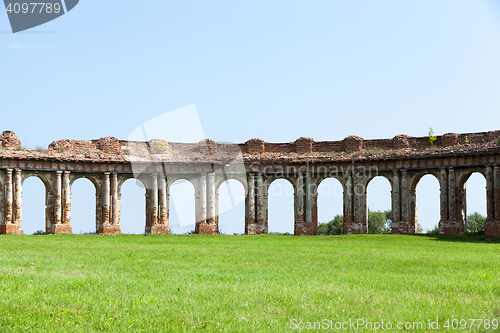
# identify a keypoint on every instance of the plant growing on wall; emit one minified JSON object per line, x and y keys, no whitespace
{"x":432,"y":138}
{"x":467,"y":139}
{"x":162,"y":145}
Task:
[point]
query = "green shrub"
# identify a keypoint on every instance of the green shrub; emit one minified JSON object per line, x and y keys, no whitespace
{"x":334,"y":227}
{"x":434,"y":232}
{"x":475,"y":223}
{"x":432,"y":138}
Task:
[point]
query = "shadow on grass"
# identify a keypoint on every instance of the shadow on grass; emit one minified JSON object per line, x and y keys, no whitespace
{"x":460,"y":238}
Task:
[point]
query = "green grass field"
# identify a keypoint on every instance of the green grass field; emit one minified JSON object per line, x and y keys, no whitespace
{"x":164,"y":283}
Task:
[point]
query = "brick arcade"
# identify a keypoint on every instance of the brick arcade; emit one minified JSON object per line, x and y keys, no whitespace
{"x":108,"y":162}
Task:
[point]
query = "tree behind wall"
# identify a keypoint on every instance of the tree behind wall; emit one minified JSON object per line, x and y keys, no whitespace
{"x":475,"y":223}
{"x":379,"y":222}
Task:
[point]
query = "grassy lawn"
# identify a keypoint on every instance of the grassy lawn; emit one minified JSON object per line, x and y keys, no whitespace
{"x":163,"y":283}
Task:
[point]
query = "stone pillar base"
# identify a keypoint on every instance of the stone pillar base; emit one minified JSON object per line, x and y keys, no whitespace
{"x":209,"y":229}
{"x":159,"y":229}
{"x":255,"y":229}
{"x":10,"y":229}
{"x":403,"y":227}
{"x":449,"y":227}
{"x":492,"y":227}
{"x":61,"y":229}
{"x":355,"y":228}
{"x":304,"y":228}
{"x":110,"y":229}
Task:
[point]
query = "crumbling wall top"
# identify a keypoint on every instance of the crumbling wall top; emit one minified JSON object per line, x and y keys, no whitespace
{"x":9,"y":140}
{"x":208,"y":151}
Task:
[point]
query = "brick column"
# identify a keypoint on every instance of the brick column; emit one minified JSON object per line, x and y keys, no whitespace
{"x":314,"y":210}
{"x":443,"y":185}
{"x":348,"y":203}
{"x":211,"y":198}
{"x":105,"y":225}
{"x":303,"y":198}
{"x":308,"y":203}
{"x":115,"y":212}
{"x":490,"y":201}
{"x":110,"y":207}
{"x":8,"y":227}
{"x":260,"y":209}
{"x":66,"y":201}
{"x":360,"y":222}
{"x":250,"y":227}
{"x":201,"y":203}
{"x":147,"y":201}
{"x":154,"y":200}
{"x":363,"y":204}
{"x":163,"y":225}
{"x":57,"y":199}
{"x":404,"y":224}
{"x":62,"y":206}
{"x":396,"y":202}
{"x":299,"y":200}
{"x":18,"y":199}
{"x":496,"y":190}
{"x":211,"y":225}
{"x":8,"y":197}
{"x":492,"y":223}
{"x":452,"y":226}
{"x":452,"y":192}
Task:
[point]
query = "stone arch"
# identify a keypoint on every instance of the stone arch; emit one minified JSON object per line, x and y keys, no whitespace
{"x":319,"y":180}
{"x":192,"y":211}
{"x":221,"y":180}
{"x":48,"y":213}
{"x":413,"y":195}
{"x":130,"y":223}
{"x":267,"y":195}
{"x":173,"y":179}
{"x":463,"y":177}
{"x":92,"y":179}
{"x":419,"y":175}
{"x":316,"y":208}
{"x":365,"y":183}
{"x":235,"y":210}
{"x":25,"y":175}
{"x":97,"y":192}
{"x":126,"y":177}
{"x":269,"y":180}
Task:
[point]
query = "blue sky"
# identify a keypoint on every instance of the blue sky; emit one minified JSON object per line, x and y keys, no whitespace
{"x":277,"y":70}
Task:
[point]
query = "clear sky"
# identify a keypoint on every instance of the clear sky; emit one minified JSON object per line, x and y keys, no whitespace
{"x":277,"y":70}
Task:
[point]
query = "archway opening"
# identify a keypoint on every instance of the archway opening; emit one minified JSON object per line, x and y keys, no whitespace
{"x":33,"y":206}
{"x":182,"y":207}
{"x":133,"y":207}
{"x":330,"y":207}
{"x":427,"y":210}
{"x":475,"y":193}
{"x":281,"y":207}
{"x":379,"y":205}
{"x":83,"y":206}
{"x":231,"y":208}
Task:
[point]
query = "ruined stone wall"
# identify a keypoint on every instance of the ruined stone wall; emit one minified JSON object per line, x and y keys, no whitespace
{"x":107,"y":162}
